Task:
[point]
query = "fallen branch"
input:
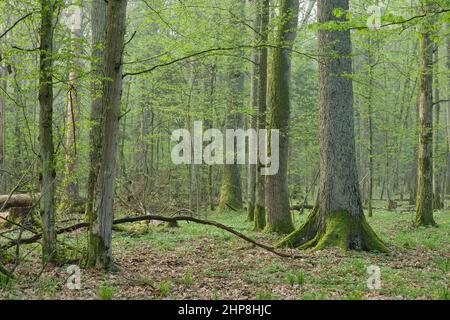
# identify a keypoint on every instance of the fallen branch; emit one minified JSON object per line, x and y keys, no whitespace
{"x":159,"y":218}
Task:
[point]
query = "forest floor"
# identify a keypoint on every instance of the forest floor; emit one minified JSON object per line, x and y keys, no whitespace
{"x":202,"y":262}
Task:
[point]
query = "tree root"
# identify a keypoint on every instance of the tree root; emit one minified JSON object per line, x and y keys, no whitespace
{"x":339,"y":230}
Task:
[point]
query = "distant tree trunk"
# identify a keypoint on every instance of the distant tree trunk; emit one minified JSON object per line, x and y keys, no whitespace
{"x":424,"y":213}
{"x":279,"y":217}
{"x":447,"y":183}
{"x":437,"y":202}
{"x":259,"y":214}
{"x":98,"y":29}
{"x":47,"y":156}
{"x":231,"y":189}
{"x":100,"y":236}
{"x":252,"y":120}
{"x":3,"y":85}
{"x":73,"y":111}
{"x":370,"y":116}
{"x":338,"y":220}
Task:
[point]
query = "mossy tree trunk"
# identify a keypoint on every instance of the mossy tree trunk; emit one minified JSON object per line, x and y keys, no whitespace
{"x":260,"y":210}
{"x":279,"y":217}
{"x":98,"y":29}
{"x":100,"y":235}
{"x":338,"y":219}
{"x":47,"y":150}
{"x":424,"y":207}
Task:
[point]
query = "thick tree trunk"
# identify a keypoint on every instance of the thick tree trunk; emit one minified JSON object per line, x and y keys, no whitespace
{"x":424,"y":213}
{"x":338,"y":220}
{"x":73,"y":110}
{"x":47,"y":156}
{"x":98,"y":28}
{"x":3,"y":85}
{"x":279,"y":217}
{"x":259,"y":214}
{"x":100,"y":236}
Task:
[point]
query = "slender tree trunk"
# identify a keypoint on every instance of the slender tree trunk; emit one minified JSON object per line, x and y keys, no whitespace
{"x":437,"y":202}
{"x":447,"y":183}
{"x":231,"y":189}
{"x":424,"y":213}
{"x":3,"y":85}
{"x":98,"y":29}
{"x":100,"y":236}
{"x":370,"y":116}
{"x":73,"y":112}
{"x":47,"y":156}
{"x":279,"y":217}
{"x":338,"y":220}
{"x":259,"y":215}
{"x":252,"y":120}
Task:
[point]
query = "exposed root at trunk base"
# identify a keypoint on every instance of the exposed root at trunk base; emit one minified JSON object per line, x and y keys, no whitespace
{"x":340,"y":230}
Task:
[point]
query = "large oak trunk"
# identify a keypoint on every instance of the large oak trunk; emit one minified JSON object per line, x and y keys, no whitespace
{"x":338,"y":220}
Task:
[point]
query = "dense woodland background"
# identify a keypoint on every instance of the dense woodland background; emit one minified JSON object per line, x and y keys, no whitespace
{"x":86,"y":82}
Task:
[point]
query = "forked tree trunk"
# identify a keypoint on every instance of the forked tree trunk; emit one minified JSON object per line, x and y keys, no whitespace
{"x":424,"y":211}
{"x":100,"y":236}
{"x":338,"y":220}
{"x":98,"y":24}
{"x":259,"y":214}
{"x":47,"y":152}
{"x":279,"y":217}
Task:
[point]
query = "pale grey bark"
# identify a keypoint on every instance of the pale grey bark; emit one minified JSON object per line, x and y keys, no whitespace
{"x":73,"y":109}
{"x":100,"y":238}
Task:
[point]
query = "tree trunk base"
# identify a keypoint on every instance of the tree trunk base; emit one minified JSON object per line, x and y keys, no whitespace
{"x":340,"y":230}
{"x":259,"y":218}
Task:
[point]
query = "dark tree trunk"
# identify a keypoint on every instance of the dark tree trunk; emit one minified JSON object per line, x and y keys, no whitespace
{"x":47,"y":152}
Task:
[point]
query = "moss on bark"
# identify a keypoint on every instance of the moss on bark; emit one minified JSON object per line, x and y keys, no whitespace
{"x":340,"y":230}
{"x":259,"y":218}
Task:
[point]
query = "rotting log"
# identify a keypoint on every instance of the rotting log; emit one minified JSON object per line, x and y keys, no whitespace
{"x":17,"y":200}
